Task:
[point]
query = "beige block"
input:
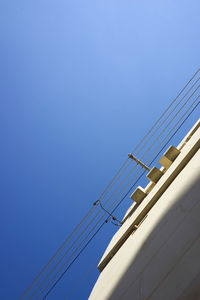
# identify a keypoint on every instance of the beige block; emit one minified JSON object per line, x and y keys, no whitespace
{"x":138,"y":195}
{"x":169,"y":156}
{"x":154,"y":175}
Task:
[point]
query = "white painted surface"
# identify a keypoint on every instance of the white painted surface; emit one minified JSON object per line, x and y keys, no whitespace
{"x":135,"y":218}
{"x":161,"y":260}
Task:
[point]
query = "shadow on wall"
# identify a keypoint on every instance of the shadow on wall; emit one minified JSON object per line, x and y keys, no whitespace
{"x":167,"y":265}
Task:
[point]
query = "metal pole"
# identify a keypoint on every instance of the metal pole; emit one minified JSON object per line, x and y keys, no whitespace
{"x":138,"y":162}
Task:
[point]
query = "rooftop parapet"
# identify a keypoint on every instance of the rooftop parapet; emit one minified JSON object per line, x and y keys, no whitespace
{"x":154,"y":190}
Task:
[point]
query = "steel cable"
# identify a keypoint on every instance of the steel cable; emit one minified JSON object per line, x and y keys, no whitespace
{"x":168,"y":115}
{"x":108,"y":188}
{"x":115,"y":208}
{"x":136,"y":174}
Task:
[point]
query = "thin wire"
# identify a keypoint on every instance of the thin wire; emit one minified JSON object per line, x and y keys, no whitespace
{"x":74,"y":250}
{"x":169,"y":106}
{"x":175,"y":125}
{"x":165,"y":139}
{"x":106,"y":190}
{"x":79,"y":237}
{"x":64,"y":244}
{"x":163,"y":115}
{"x":169,"y":123}
{"x":117,"y":205}
{"x":82,"y":233}
{"x":174,"y":116}
{"x":93,"y":219}
{"x":70,"y":257}
{"x":51,"y":260}
{"x":167,"y":127}
{"x":163,"y":130}
{"x":91,"y":210}
{"x":82,"y":279}
{"x":136,"y":181}
{"x":169,"y":114}
{"x":157,"y":155}
{"x":74,"y":260}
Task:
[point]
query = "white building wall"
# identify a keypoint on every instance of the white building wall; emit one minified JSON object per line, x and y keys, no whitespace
{"x":161,"y":259}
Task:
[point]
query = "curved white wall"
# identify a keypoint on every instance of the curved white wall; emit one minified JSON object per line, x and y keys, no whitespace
{"x":161,"y":260}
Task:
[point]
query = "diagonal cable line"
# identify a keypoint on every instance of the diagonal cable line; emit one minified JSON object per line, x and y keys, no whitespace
{"x":123,"y":190}
{"x":160,"y":150}
{"x":108,"y":188}
{"x":48,"y":292}
{"x":169,"y":114}
{"x":171,"y":121}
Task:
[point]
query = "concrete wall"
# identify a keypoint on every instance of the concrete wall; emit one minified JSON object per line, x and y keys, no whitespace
{"x":161,"y":259}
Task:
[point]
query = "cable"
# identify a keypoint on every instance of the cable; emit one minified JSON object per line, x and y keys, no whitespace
{"x":158,"y":154}
{"x":174,"y":126}
{"x":166,"y":112}
{"x":77,"y":238}
{"x":169,"y":107}
{"x":72,"y":253}
{"x":46,"y":267}
{"x":90,"y":232}
{"x":77,"y":228}
{"x":120,"y":194}
{"x":83,"y":278}
{"x":96,"y":223}
{"x":169,"y":123}
{"x":113,"y":218}
{"x":51,"y":260}
{"x":116,"y":207}
{"x":74,"y":260}
{"x":169,"y":114}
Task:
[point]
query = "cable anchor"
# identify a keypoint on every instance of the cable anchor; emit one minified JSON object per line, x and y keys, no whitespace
{"x":130,"y":155}
{"x":111,"y":216}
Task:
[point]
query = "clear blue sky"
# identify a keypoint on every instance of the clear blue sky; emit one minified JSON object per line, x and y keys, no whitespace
{"x":80,"y":84}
